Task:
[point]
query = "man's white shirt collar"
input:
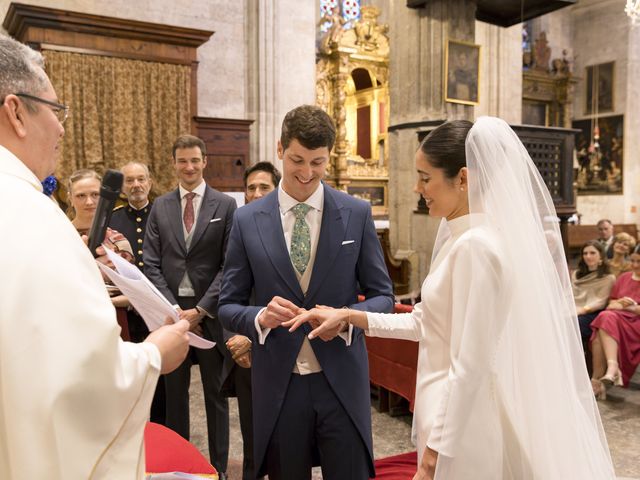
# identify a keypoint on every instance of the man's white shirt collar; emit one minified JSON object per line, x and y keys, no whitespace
{"x":199,"y":190}
{"x":287,"y":202}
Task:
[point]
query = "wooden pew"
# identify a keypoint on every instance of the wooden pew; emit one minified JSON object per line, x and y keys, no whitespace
{"x":580,"y":234}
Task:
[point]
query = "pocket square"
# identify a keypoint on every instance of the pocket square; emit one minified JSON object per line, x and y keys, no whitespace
{"x":214,"y":220}
{"x":348,"y":242}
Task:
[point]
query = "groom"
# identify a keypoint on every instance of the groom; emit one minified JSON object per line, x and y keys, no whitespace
{"x":306,"y":244}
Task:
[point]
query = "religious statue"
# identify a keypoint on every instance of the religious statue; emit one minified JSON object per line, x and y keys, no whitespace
{"x":367,"y":29}
{"x":331,"y":38}
{"x":542,"y":53}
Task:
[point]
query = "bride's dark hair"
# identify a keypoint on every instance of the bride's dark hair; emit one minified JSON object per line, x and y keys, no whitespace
{"x":445,"y":146}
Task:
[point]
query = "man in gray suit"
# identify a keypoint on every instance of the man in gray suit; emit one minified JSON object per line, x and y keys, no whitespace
{"x":185,"y":244}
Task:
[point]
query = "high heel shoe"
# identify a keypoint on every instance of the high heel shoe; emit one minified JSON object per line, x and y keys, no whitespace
{"x":599,"y":390}
{"x":612,"y":377}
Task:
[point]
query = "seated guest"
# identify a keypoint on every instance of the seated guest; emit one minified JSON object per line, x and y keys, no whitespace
{"x":623,"y":245}
{"x":605,"y":228}
{"x":615,"y":342}
{"x":84,"y":193}
{"x":592,"y":283}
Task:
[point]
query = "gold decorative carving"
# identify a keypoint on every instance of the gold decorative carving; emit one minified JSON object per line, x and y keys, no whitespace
{"x":352,"y":85}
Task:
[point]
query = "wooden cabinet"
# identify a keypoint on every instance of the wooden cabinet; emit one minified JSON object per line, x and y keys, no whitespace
{"x":227,"y":142}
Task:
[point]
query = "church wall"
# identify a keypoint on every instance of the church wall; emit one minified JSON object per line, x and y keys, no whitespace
{"x":601,"y":33}
{"x":281,"y":68}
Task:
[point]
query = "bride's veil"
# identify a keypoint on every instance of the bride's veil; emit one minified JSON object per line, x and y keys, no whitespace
{"x":537,"y":417}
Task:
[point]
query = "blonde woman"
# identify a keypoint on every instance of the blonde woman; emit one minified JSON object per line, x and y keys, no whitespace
{"x":623,"y":245}
{"x":84,"y":193}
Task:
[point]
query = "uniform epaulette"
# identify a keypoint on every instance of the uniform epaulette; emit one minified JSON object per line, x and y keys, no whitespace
{"x":118,"y":207}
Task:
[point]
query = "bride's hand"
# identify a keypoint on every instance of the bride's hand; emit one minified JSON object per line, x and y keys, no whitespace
{"x":421,"y":474}
{"x":327,"y":322}
{"x":427,"y":467}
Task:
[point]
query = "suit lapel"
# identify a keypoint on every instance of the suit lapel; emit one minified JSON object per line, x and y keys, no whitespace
{"x":175,"y":217}
{"x":332,"y":232}
{"x":207,"y":210}
{"x":269,"y":226}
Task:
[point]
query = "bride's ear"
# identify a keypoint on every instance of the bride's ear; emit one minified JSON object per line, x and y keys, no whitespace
{"x":462,"y":177}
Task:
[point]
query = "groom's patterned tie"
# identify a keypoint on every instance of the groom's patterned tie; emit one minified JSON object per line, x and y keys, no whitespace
{"x":300,"y":238}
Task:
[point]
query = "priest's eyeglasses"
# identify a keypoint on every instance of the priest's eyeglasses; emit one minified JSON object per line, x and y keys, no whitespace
{"x":61,"y":111}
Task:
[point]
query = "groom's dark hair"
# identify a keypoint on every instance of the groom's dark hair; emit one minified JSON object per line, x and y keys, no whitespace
{"x":309,"y":125}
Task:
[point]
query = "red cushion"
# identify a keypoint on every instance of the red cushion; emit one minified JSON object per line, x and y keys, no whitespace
{"x":398,"y":467}
{"x":166,"y":451}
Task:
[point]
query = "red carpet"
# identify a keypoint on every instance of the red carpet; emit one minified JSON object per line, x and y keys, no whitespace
{"x":398,"y":467}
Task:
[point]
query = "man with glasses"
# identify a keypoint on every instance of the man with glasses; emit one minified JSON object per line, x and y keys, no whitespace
{"x":74,"y":398}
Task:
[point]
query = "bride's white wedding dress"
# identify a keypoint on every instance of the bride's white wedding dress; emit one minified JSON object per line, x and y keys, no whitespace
{"x":502,"y":389}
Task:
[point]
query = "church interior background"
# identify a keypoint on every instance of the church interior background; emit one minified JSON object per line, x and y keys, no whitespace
{"x":387,"y":71}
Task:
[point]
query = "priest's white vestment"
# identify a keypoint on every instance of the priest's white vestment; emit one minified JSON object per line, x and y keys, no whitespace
{"x":74,"y":398}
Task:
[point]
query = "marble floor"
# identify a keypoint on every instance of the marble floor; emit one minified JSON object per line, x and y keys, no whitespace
{"x":391,"y":435}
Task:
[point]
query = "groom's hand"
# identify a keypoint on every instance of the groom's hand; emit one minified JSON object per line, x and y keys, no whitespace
{"x":278,"y":311}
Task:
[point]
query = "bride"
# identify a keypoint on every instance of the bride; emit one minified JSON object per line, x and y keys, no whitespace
{"x":502,"y":391}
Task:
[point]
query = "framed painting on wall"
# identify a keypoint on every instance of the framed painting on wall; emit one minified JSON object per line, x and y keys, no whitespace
{"x":462,"y":72}
{"x":599,"y":84}
{"x":600,"y":166}
{"x":372,"y":192}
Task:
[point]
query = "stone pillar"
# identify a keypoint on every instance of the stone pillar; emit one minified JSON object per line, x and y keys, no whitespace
{"x":281,"y":63}
{"x":500,"y":71}
{"x":418,"y":44}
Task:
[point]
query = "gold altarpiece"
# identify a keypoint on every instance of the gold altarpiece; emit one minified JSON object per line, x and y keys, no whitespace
{"x":352,"y":85}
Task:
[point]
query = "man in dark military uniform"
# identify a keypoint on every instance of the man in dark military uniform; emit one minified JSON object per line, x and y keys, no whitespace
{"x":131,"y":221}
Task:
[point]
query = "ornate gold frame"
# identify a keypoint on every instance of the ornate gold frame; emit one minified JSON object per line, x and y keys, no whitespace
{"x":478,"y":48}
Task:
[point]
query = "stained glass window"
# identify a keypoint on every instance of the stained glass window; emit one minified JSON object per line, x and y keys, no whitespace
{"x":349,"y":10}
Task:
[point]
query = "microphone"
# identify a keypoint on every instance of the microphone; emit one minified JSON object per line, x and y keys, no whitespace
{"x":109,"y":192}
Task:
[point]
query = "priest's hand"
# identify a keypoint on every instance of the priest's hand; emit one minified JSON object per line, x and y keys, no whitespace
{"x":172,"y":342}
{"x":194,"y":317}
{"x":278,"y":311}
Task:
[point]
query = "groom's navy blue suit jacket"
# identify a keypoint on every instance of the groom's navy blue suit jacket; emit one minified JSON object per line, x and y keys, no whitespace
{"x":348,"y":261}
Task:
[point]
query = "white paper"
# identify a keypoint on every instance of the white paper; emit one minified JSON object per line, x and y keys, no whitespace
{"x":152,"y":306}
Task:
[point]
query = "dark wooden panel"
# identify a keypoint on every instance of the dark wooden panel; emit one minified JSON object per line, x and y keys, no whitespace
{"x":227,"y":142}
{"x":508,"y":12}
{"x":21,"y":17}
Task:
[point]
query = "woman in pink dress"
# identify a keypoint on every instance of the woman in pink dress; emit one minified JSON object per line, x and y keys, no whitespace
{"x":615,"y":342}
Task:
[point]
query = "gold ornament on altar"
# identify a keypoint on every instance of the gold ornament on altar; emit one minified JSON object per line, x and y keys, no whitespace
{"x":352,"y":85}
